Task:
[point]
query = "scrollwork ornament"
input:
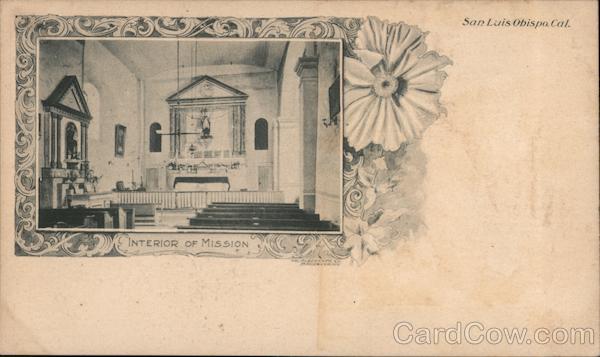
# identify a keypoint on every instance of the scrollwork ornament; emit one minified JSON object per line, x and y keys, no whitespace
{"x":307,"y":249}
{"x":231,"y":27}
{"x":318,"y":28}
{"x":273,"y":28}
{"x":40,"y":26}
{"x":180,"y":27}
{"x":136,"y":27}
{"x":359,"y":188}
{"x":100,"y":27}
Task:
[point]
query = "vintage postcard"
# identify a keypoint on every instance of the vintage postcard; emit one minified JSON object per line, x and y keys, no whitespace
{"x":299,"y":178}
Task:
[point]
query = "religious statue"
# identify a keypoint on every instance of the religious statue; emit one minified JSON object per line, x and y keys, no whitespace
{"x":205,"y":127}
{"x":71,"y":138}
{"x":120,"y":131}
{"x":204,"y":123}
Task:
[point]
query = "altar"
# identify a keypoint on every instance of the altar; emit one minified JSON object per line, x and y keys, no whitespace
{"x":207,"y":132}
{"x":64,"y":123}
{"x":201,"y":183}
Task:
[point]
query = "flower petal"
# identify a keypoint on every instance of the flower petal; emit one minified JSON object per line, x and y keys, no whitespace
{"x":370,"y":243}
{"x":407,"y":119}
{"x":387,"y":131}
{"x":394,"y":134}
{"x":365,"y":176}
{"x":431,"y":81}
{"x":370,"y":197}
{"x":360,"y":121}
{"x":352,"y":94}
{"x":403,"y":42}
{"x":370,"y":58}
{"x":354,"y":112}
{"x":370,"y":35}
{"x":391,"y":215}
{"x":427,"y":102}
{"x":415,"y":119}
{"x":431,"y":61}
{"x":357,"y":253}
{"x":357,"y":73}
{"x":351,"y":226}
{"x":368,"y":126}
{"x":394,"y":41}
{"x":380,"y":163}
{"x":378,"y":126}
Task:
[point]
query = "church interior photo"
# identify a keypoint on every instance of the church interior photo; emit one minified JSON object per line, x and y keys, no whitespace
{"x":190,"y":134}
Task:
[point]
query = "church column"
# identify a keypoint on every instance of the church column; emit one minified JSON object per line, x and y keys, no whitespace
{"x":239,"y":129}
{"x":58,"y":141}
{"x":84,"y":142}
{"x":275,"y":149}
{"x":289,"y":160}
{"x":242,"y":128}
{"x":45,"y":118}
{"x":84,"y":148}
{"x":171,"y":130}
{"x":176,"y":131}
{"x":178,"y":135}
{"x":307,"y":70}
{"x":55,"y":135}
{"x":52,"y":140}
{"x":234,"y":131}
{"x":143,"y":142}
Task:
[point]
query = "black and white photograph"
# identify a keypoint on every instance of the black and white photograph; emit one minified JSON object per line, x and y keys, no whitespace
{"x":190,"y":135}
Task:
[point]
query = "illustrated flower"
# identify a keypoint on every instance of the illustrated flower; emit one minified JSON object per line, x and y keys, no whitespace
{"x":365,"y":237}
{"x":392,"y":90}
{"x":361,"y":240}
{"x":370,"y":176}
{"x":387,"y":207}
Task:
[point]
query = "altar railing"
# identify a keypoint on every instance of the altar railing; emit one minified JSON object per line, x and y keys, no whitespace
{"x":197,"y":199}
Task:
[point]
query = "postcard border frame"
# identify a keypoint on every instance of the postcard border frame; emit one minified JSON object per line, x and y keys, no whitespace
{"x":305,"y":248}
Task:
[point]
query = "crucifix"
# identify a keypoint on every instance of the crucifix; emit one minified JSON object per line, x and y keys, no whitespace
{"x":203,"y":124}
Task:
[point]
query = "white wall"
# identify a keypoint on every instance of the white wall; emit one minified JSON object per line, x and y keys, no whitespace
{"x":118,"y":98}
{"x":118,"y":90}
{"x":289,"y":126}
{"x":328,"y":182}
{"x":329,"y":157}
{"x":260,"y":85}
{"x":57,"y":59}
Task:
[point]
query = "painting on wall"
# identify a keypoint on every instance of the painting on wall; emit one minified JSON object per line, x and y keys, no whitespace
{"x":120,"y":131}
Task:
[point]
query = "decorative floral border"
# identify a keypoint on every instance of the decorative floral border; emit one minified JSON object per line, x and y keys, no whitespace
{"x":361,"y":188}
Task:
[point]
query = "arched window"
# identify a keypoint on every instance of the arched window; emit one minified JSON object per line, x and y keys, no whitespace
{"x":155,"y":138}
{"x":261,"y":134}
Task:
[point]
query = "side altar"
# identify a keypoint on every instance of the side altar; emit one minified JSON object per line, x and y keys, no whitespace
{"x":63,"y":135}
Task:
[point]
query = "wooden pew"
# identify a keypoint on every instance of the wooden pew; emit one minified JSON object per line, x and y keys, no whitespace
{"x":144,"y":213}
{"x":107,"y":218}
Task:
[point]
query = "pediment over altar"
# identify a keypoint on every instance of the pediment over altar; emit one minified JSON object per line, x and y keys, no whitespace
{"x":67,"y":99}
{"x":207,"y":120}
{"x":207,"y":90}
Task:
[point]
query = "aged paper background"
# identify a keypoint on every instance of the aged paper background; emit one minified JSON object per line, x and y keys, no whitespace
{"x":511,"y":210}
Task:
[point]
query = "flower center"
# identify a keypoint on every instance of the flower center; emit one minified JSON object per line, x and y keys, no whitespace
{"x":385,"y":85}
